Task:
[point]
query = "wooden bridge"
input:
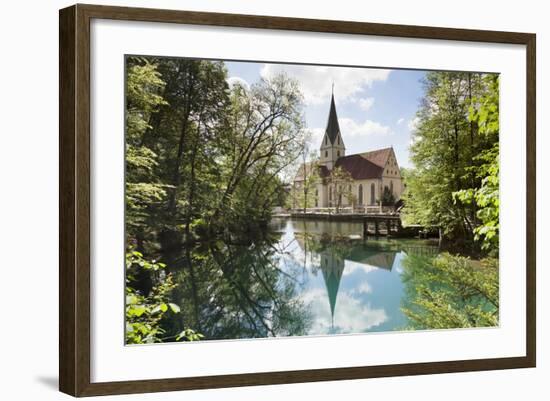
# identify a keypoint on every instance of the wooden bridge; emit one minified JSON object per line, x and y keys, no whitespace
{"x":373,"y":224}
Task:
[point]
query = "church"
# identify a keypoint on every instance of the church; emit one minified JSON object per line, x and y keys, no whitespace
{"x":371,"y":173}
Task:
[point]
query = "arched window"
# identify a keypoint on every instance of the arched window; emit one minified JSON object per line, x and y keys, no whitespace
{"x":326,"y":153}
{"x":326,"y":140}
{"x":330,"y":193}
{"x":316,"y":198}
{"x":360,"y":194}
{"x":338,"y":140}
{"x":372,"y":194}
{"x":338,"y":153}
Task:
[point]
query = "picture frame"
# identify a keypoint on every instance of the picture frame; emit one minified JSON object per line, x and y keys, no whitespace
{"x":75,"y":204}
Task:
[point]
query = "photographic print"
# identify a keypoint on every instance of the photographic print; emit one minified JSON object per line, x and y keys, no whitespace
{"x":271,"y":200}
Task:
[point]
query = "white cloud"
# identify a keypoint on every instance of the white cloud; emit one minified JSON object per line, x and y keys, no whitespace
{"x":316,"y":136}
{"x":400,"y":121}
{"x":238,"y":81}
{"x":366,"y":103}
{"x":352,"y":267}
{"x":316,"y":81}
{"x":351,"y":316}
{"x":364,"y":288}
{"x":350,"y":128}
{"x":353,"y":133}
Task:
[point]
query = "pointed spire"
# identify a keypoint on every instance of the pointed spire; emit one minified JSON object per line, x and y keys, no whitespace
{"x":332,"y":270}
{"x":333,"y":128}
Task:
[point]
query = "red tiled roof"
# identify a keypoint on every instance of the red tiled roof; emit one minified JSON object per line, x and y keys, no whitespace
{"x":378,"y":157}
{"x":359,"y":167}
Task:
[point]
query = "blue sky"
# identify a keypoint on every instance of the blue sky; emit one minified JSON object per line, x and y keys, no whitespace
{"x":376,"y":107}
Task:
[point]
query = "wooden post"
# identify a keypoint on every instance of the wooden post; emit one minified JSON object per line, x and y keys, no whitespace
{"x":376,"y":227}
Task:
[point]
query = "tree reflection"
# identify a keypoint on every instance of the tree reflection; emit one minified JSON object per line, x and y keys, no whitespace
{"x":230,"y":291}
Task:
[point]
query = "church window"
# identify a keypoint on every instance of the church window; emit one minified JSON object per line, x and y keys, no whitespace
{"x":316,"y":198}
{"x":338,"y":153}
{"x":360,"y":195}
{"x":326,"y":140}
{"x":338,"y":140}
{"x":372,"y":195}
{"x":326,"y":153}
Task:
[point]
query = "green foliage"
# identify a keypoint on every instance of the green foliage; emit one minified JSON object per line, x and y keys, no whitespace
{"x":203,"y":163}
{"x":485,"y":113}
{"x":454,"y":184}
{"x":189,"y":335}
{"x":145,"y":313}
{"x":265,"y":138}
{"x":143,"y":88}
{"x":203,"y":158}
{"x":451,"y":292}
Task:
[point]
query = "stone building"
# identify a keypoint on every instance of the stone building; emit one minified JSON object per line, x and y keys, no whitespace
{"x":368,"y":174}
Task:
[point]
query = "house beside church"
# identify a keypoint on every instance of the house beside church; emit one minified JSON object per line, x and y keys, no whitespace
{"x":367,"y":174}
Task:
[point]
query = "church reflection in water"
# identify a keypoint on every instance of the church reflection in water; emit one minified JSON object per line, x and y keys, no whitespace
{"x":300,"y":278}
{"x":334,"y":251}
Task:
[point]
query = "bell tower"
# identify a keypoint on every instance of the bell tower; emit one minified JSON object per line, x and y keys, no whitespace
{"x":332,"y":146}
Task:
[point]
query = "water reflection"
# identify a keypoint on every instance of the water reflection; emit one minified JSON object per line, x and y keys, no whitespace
{"x":301,"y":278}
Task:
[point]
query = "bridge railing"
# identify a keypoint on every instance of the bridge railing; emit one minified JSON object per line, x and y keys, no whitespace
{"x":362,"y":210}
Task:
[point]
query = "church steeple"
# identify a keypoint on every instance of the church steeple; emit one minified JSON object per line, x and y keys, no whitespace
{"x":332,"y":267}
{"x":333,"y":128}
{"x":332,"y":146}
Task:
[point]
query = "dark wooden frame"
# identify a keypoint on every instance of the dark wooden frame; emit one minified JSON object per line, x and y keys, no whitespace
{"x":74,"y":204}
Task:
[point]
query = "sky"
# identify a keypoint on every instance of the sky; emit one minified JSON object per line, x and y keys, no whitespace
{"x":376,"y":107}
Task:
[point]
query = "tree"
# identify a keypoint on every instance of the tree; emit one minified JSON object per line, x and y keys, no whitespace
{"x":485,"y":114}
{"x":143,"y":188}
{"x":445,"y":151}
{"x":340,"y":183}
{"x":304,"y":191}
{"x":205,"y":159}
{"x":388,"y":199}
{"x":266,"y":128}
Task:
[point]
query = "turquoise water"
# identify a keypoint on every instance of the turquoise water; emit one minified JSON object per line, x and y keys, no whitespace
{"x":351,"y":285}
{"x":300,"y":277}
